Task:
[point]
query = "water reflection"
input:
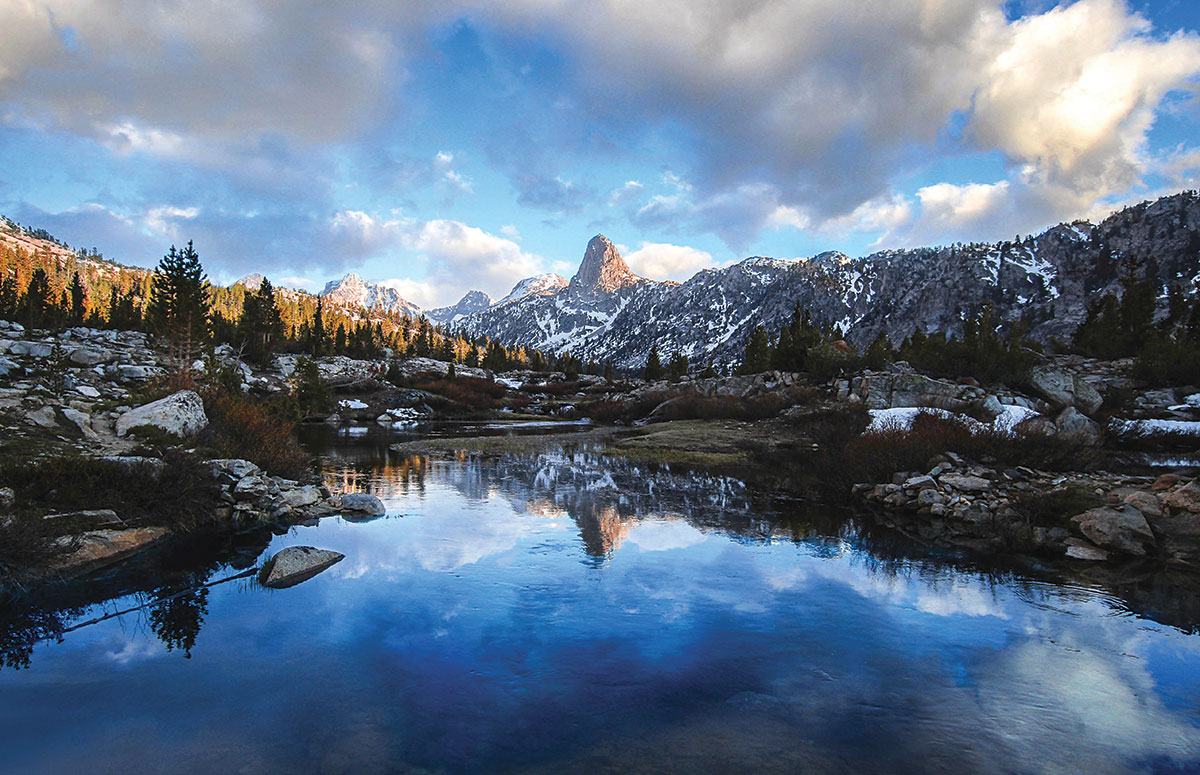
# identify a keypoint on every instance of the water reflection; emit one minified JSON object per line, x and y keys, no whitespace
{"x":572,"y":613}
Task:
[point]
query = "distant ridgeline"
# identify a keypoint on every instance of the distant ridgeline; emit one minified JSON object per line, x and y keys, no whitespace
{"x":758,"y":313}
{"x":1047,"y":283}
{"x":46,"y":284}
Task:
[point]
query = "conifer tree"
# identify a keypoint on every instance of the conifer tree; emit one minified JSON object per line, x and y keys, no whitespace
{"x":654,"y":368}
{"x":78,"y":311}
{"x":179,"y":305}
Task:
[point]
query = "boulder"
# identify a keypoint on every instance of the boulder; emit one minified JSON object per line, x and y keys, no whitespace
{"x":359,"y":504}
{"x":251,"y":488}
{"x":87,"y":391}
{"x":233,"y":468}
{"x":43,"y":418}
{"x":32,"y":349}
{"x":98,"y":548}
{"x":300,"y":497}
{"x":181,"y":414}
{"x":1072,"y":423}
{"x":1122,"y":530}
{"x":86,"y":356}
{"x":1184,"y":498}
{"x":1064,"y":389}
{"x":82,"y":421}
{"x":295,"y":564}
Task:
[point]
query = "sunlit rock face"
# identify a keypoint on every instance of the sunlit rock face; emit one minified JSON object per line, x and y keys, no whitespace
{"x":353,"y":291}
{"x":608,"y":313}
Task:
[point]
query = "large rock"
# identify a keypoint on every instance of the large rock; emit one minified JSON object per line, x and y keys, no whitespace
{"x":1123,"y":529}
{"x":890,"y":391}
{"x":43,"y":418}
{"x":1074,"y":424}
{"x":1063,"y":389}
{"x":295,"y":564}
{"x":361,"y":504}
{"x":98,"y":548}
{"x":181,"y":414}
{"x":1184,"y":498}
{"x":82,"y":420}
{"x":86,"y":356}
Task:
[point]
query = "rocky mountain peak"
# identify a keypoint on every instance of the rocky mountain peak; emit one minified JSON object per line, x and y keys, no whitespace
{"x":602,"y":268}
{"x":353,"y":290}
{"x":251,"y":282}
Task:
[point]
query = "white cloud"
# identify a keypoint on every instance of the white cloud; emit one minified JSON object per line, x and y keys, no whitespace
{"x":511,"y":231}
{"x":664,"y":261}
{"x":162,"y":219}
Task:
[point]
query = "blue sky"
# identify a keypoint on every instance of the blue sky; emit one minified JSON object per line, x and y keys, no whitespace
{"x":444,"y":146}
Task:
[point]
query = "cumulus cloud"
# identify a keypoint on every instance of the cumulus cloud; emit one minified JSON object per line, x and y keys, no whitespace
{"x":664,"y":261}
{"x":820,"y":107}
{"x":465,"y":257}
{"x":780,"y":114}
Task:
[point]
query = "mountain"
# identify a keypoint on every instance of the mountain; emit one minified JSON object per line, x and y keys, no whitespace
{"x":570,"y":316}
{"x":538,"y":285}
{"x":606,"y":312}
{"x":353,"y":291}
{"x":471,"y":302}
{"x":251,"y":282}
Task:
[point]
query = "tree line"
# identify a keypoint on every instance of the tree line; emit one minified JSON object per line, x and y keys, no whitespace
{"x":47,"y":290}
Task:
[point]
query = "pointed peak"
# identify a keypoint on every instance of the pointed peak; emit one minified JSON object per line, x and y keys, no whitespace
{"x":251,"y":282}
{"x":602,"y":268}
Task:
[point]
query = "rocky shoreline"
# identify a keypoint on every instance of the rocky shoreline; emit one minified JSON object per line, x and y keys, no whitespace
{"x":964,"y":504}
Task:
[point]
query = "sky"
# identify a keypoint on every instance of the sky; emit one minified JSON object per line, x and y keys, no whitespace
{"x":452,"y":145}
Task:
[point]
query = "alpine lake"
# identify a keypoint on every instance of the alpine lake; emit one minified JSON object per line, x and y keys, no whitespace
{"x":560,"y":611}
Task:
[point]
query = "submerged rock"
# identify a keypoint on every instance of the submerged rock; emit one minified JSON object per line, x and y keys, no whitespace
{"x":296,"y":564}
{"x":181,"y":413}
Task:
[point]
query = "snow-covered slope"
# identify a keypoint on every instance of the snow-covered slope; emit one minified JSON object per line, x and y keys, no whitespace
{"x":608,"y":313}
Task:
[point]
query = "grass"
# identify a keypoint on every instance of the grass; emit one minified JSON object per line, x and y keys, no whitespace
{"x":1054,"y":508}
{"x":686,"y":404}
{"x":503,"y":445}
{"x":182,"y":497}
{"x":875,"y":455}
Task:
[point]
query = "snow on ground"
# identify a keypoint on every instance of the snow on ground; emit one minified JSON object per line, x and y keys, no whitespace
{"x":510,"y":382}
{"x":901,"y":418}
{"x":351,"y":403}
{"x":1152,"y":427}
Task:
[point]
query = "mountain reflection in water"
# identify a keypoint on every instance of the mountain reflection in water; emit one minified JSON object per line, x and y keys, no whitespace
{"x":567,"y":612}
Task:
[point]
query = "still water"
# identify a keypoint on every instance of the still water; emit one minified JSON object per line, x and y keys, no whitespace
{"x":563,"y":612}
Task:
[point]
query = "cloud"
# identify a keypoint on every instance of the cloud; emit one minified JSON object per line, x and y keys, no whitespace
{"x":821,"y":108}
{"x":550,"y":193}
{"x":462,"y":257}
{"x":663,"y":261}
{"x":1073,"y":92}
{"x":807,"y":115}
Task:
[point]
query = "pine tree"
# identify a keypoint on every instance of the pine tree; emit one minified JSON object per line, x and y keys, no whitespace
{"x":179,"y":304}
{"x":758,"y":352}
{"x":36,"y":299}
{"x":78,"y":311}
{"x":654,"y":368}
